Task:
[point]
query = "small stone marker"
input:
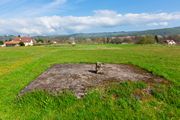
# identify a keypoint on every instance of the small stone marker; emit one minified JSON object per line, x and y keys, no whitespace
{"x":99,"y":68}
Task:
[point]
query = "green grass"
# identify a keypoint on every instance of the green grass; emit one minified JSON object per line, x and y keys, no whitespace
{"x":19,"y":66}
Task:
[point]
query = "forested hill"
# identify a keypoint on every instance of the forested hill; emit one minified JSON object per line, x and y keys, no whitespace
{"x":165,"y":31}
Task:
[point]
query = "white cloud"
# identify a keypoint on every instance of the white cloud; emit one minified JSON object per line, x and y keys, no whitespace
{"x":109,"y":13}
{"x":33,"y":10}
{"x":158,"y":24}
{"x":71,"y":24}
{"x":55,"y":3}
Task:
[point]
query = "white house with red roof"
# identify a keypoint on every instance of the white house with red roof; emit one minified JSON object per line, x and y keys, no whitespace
{"x":28,"y":41}
{"x":171,"y":42}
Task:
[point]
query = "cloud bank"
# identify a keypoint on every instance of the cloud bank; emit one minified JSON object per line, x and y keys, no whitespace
{"x":72,"y":24}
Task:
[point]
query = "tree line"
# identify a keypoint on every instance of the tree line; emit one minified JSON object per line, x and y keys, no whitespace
{"x":144,"y":39}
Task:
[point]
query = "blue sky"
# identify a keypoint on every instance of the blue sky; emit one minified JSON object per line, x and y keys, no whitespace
{"x":44,"y":17}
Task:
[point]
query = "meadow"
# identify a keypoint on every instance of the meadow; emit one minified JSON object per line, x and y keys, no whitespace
{"x":21,"y":65}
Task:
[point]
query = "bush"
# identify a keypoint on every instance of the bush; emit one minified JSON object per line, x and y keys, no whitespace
{"x":146,"y":40}
{"x":116,"y":41}
{"x":21,"y":44}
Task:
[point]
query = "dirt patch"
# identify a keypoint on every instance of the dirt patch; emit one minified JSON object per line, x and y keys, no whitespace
{"x":80,"y":77}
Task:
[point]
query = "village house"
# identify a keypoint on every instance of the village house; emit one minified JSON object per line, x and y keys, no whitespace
{"x":171,"y":42}
{"x":28,"y":41}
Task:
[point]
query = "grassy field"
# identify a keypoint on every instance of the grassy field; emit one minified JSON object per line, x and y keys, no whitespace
{"x":19,"y":66}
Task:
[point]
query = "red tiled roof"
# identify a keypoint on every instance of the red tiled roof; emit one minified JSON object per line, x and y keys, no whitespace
{"x":17,"y":40}
{"x":12,"y":43}
{"x":23,"y":39}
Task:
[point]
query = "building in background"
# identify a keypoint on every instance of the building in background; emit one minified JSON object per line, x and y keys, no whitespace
{"x":28,"y":41}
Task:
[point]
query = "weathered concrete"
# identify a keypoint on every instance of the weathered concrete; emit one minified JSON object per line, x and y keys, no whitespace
{"x":80,"y":77}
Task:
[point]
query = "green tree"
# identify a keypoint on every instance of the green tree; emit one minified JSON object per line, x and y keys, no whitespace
{"x":156,"y":38}
{"x":146,"y":40}
{"x":21,"y":44}
{"x":1,"y":42}
{"x":39,"y":40}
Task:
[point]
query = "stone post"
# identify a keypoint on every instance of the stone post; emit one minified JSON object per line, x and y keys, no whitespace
{"x":99,"y":68}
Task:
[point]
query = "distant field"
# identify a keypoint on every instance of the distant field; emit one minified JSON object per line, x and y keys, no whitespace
{"x":21,"y":65}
